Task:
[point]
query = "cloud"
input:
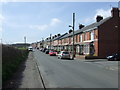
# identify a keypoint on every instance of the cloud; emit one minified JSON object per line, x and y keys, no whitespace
{"x":54,"y":22}
{"x":39,"y":27}
{"x":1,"y":17}
{"x":0,"y":29}
{"x":101,"y":12}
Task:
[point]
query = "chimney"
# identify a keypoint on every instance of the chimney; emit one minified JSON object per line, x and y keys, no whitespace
{"x":58,"y":34}
{"x":99,"y":18}
{"x":55,"y":36}
{"x":70,"y":31}
{"x":81,"y":26}
{"x":115,"y":12}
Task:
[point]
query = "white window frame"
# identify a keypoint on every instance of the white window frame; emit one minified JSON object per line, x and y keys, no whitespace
{"x":81,"y":39}
{"x":92,"y":35}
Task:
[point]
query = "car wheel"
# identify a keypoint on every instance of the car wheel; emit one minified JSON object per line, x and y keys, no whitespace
{"x":58,"y":58}
{"x":115,"y":59}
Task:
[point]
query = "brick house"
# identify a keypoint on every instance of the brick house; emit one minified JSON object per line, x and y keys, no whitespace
{"x":54,"y":42}
{"x":57,"y":42}
{"x":98,"y":39}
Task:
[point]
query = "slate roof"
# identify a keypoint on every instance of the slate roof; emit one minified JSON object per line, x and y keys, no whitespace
{"x":87,"y":28}
{"x":56,"y":37}
{"x":92,"y":26}
{"x":60,"y":36}
{"x":47,"y":40}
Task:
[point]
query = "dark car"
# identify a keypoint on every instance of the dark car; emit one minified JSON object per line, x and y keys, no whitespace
{"x":114,"y":57}
{"x":46,"y":51}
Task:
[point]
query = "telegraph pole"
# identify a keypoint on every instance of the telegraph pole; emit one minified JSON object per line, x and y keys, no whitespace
{"x":25,"y":41}
{"x":43,"y":43}
{"x":73,"y":54}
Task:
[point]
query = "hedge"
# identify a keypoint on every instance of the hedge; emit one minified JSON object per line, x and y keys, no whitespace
{"x":11,"y":59}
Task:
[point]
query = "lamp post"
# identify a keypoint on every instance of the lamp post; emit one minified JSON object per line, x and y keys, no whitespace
{"x":73,"y":52}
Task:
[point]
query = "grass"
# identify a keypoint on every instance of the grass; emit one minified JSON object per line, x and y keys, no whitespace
{"x":22,"y":48}
{"x":11,"y":59}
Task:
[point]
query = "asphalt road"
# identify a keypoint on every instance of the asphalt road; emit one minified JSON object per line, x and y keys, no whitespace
{"x":58,"y":73}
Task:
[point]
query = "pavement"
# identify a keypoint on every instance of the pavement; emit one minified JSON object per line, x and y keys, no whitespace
{"x":27,"y":76}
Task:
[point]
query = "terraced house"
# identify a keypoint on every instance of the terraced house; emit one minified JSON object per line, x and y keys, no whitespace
{"x":98,"y":39}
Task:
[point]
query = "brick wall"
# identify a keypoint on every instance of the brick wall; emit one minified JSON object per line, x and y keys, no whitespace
{"x":108,"y":38}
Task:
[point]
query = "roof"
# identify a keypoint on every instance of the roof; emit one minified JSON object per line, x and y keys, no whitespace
{"x":87,"y":28}
{"x":92,"y":26}
{"x":66,"y":35}
{"x":56,"y":38}
{"x":60,"y":36}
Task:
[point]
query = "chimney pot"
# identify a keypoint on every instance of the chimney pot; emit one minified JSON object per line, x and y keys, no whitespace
{"x":70,"y":31}
{"x":81,"y":26}
{"x":99,"y":18}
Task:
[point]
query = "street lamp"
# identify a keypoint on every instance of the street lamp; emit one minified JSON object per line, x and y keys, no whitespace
{"x":73,"y":53}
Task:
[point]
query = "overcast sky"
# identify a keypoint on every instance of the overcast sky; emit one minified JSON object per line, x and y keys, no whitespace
{"x":37,"y":20}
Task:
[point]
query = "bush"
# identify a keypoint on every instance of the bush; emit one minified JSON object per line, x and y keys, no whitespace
{"x":11,"y":59}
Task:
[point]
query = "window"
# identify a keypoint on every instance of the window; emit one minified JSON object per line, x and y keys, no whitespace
{"x":86,"y":49}
{"x":81,"y":38}
{"x":92,"y":35}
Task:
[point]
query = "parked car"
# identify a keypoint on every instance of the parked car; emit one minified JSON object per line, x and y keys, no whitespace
{"x":115,"y":57}
{"x":43,"y":49}
{"x":30,"y":49}
{"x":64,"y":55}
{"x":46,"y":51}
{"x":52,"y":53}
{"x":37,"y":47}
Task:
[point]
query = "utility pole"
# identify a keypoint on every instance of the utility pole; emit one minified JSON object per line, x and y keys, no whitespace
{"x":73,"y":54}
{"x":42,"y":42}
{"x":25,"y":42}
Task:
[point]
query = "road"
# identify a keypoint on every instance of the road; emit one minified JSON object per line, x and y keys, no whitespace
{"x":58,"y":73}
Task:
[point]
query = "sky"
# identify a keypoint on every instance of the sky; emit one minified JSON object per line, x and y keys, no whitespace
{"x":37,"y":20}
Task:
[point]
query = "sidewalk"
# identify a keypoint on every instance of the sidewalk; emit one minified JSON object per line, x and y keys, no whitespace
{"x":80,"y":57}
{"x":27,"y":75}
{"x":104,"y":63}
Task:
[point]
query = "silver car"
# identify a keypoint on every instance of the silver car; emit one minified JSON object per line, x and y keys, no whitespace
{"x":64,"y":55}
